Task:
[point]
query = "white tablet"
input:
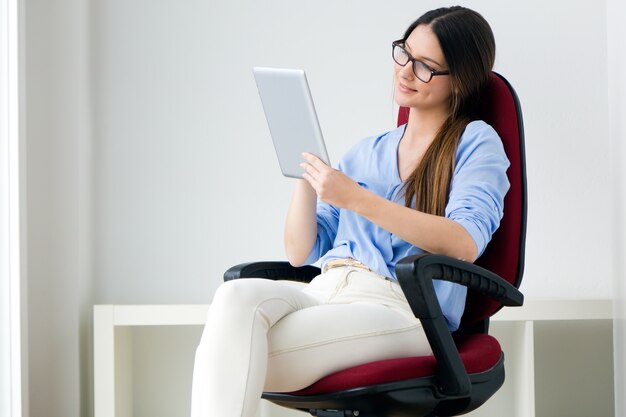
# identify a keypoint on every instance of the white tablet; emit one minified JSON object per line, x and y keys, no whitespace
{"x":291,"y":117}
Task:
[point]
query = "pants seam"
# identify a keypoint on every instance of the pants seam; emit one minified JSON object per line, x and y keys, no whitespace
{"x":344,"y":339}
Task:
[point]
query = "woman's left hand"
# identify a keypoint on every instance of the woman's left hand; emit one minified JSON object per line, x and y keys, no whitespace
{"x":332,"y":186}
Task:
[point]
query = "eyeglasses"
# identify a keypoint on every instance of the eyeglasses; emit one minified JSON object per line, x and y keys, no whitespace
{"x":422,"y":71}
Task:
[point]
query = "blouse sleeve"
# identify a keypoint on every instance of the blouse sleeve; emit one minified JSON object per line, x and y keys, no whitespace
{"x":327,"y":225}
{"x":479,"y":184}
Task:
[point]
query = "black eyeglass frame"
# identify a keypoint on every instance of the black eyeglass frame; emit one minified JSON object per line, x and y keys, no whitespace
{"x":400,"y":44}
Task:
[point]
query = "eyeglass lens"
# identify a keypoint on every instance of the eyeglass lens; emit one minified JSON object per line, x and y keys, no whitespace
{"x":421,"y":71}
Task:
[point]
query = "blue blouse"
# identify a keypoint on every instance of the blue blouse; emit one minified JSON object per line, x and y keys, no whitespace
{"x":476,"y":203}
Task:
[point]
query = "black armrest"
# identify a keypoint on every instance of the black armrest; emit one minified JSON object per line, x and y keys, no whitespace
{"x":415,"y":275}
{"x":272,"y":270}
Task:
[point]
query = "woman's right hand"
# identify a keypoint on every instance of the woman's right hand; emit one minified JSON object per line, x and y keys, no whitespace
{"x":301,"y":223}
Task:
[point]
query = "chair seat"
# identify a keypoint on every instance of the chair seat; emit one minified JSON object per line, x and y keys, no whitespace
{"x":479,"y":353}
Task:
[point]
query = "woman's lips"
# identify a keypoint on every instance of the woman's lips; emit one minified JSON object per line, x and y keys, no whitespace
{"x":406,"y":89}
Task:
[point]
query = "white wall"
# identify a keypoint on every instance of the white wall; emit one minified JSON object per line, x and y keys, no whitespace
{"x":616,"y":12}
{"x":10,"y":185}
{"x":186,"y":182}
{"x":58,"y":193}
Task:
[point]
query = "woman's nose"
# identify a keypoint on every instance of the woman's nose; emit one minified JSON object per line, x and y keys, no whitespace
{"x":406,"y":71}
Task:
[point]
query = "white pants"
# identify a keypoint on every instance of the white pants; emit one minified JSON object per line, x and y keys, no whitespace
{"x":264,"y":335}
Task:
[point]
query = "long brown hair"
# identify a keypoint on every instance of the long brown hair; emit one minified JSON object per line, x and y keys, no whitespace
{"x":469,"y":48}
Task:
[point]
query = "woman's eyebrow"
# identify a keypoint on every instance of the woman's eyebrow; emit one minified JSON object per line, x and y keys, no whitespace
{"x":424,"y":58}
{"x":433,"y":61}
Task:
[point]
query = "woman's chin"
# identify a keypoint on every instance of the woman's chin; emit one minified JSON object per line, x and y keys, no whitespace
{"x":402,"y":101}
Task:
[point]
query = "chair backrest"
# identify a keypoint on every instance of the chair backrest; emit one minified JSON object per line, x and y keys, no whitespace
{"x":505,"y":253}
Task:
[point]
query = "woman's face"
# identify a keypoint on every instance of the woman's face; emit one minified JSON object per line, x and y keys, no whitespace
{"x":410,"y":91}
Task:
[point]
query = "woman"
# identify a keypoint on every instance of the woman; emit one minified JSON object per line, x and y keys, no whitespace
{"x":434,"y":185}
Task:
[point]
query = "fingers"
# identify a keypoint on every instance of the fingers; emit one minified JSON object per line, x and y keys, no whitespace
{"x":313,"y":166}
{"x":314,"y":161}
{"x":312,"y":182}
{"x":311,"y":173}
{"x":309,"y":170}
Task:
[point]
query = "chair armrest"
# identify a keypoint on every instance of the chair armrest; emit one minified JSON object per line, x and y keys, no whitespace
{"x":415,"y":275}
{"x":275,"y":270}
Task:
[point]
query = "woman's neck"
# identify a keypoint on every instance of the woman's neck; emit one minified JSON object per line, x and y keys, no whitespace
{"x":423,"y":125}
{"x":418,"y":135}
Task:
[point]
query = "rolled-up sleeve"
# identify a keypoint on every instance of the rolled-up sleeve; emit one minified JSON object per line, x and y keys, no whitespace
{"x":479,"y":184}
{"x":327,"y":225}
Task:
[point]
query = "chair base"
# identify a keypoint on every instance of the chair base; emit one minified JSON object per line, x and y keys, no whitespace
{"x":409,"y":398}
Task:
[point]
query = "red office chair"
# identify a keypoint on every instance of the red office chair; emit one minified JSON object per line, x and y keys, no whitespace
{"x":467,"y":366}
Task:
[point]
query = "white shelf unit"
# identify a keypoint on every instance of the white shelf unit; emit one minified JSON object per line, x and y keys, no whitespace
{"x":516,"y":328}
